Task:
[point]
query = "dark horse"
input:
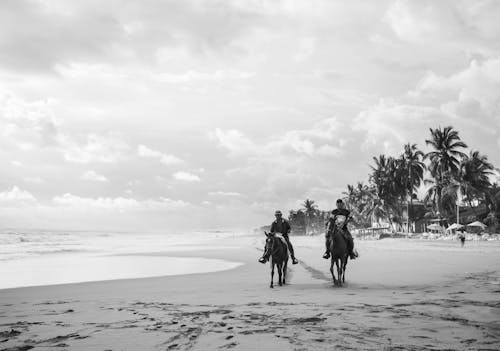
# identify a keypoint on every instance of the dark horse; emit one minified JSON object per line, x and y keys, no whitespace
{"x":339,"y":252}
{"x":277,"y":251}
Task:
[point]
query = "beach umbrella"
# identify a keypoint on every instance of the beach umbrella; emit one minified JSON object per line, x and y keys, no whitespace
{"x":476,"y":224}
{"x":434,"y":226}
{"x":455,"y":226}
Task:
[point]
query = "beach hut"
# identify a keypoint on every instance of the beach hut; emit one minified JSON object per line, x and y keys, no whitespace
{"x":476,"y":228}
{"x":477,"y":224}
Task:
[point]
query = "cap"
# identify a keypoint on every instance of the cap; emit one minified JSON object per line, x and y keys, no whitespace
{"x":339,"y":201}
{"x":278,"y":212}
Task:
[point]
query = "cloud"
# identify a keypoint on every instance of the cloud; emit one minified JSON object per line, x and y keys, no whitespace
{"x":195,"y":76}
{"x":120,"y":204}
{"x":123,"y":31}
{"x":224,"y":193}
{"x":93,"y":177}
{"x":467,"y":99}
{"x":16,"y":196}
{"x":234,"y":141}
{"x":27,"y":125}
{"x":473,"y":93}
{"x":186,"y":177}
{"x":144,"y":151}
{"x":324,"y":138}
{"x":98,"y":148}
{"x":391,"y":123}
{"x":451,"y":20}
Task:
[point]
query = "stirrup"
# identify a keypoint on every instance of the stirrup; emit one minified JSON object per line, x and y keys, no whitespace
{"x":326,"y":255}
{"x":294,"y":260}
{"x":263,"y":260}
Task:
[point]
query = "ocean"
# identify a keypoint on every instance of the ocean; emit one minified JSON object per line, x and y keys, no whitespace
{"x":47,"y":257}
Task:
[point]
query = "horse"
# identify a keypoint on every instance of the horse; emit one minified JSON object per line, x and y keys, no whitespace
{"x":339,"y":254}
{"x":277,"y":251}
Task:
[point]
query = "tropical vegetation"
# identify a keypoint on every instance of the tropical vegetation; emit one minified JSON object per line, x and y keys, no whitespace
{"x":443,"y":177}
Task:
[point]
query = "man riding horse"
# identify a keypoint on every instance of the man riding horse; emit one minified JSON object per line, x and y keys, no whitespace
{"x":338,"y":213}
{"x":281,"y":225}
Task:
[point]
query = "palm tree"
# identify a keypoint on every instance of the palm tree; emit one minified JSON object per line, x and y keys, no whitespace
{"x":474,"y":177}
{"x":357,"y":200}
{"x":310,"y":209}
{"x":414,"y":169}
{"x":444,"y":158}
{"x":387,"y":179}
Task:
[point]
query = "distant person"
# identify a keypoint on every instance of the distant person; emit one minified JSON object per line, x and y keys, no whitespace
{"x":281,"y":225}
{"x":462,"y":239}
{"x":340,"y":211}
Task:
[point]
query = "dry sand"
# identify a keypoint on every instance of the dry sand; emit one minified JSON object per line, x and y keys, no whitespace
{"x":400,"y":295}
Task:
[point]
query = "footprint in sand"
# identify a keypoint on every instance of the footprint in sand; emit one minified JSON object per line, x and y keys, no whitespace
{"x":316,"y":274}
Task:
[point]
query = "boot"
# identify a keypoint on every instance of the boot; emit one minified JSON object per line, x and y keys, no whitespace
{"x":326,"y":255}
{"x":263,"y":259}
{"x":353,"y":254}
{"x":294,"y":260}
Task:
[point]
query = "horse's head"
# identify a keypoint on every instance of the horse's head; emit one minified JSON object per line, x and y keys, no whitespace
{"x":269,"y":242}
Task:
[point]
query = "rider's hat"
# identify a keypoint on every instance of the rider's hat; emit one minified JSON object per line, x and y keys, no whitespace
{"x":339,"y":201}
{"x":277,"y":212}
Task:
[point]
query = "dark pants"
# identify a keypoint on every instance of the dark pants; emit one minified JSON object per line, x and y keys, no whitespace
{"x":347,"y":236}
{"x":289,"y":244}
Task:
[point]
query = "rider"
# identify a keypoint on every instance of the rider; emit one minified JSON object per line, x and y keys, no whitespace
{"x":340,"y":211}
{"x":281,"y":225}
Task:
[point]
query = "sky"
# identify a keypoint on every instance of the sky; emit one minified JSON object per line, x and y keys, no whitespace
{"x":193,"y":115}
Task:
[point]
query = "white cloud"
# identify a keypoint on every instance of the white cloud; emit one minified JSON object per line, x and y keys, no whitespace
{"x":120,"y":204}
{"x":28,"y":123}
{"x":323,"y":139}
{"x":195,"y":76}
{"x":234,"y":141}
{"x":144,"y":151}
{"x":186,"y":177}
{"x":93,"y":176}
{"x":14,"y":195}
{"x":473,"y":93}
{"x":224,"y":193}
{"x":451,"y":20}
{"x":390,"y":124}
{"x":98,"y":148}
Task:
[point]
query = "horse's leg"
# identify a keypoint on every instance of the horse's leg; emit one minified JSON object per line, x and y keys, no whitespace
{"x":332,"y":262}
{"x":340,"y":262}
{"x":285,"y":265}
{"x":272,"y":275}
{"x":280,"y":273}
{"x":344,"y":268}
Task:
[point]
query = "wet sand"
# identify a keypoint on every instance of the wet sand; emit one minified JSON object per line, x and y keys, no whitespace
{"x":400,"y":295}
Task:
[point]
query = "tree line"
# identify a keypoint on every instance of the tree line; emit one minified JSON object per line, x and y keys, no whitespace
{"x":447,"y":173}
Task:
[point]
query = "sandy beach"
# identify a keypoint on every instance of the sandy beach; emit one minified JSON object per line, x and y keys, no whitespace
{"x":399,"y":295}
